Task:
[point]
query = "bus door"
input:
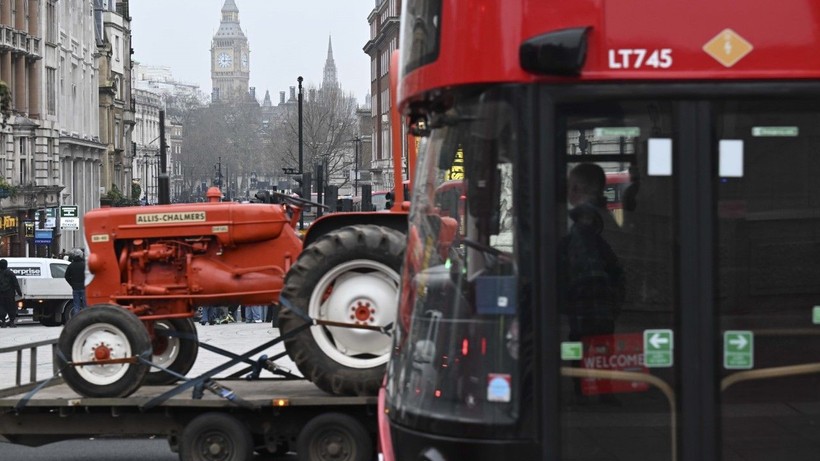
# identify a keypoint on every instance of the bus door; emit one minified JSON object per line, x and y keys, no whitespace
{"x":767,"y":293}
{"x":617,"y":280}
{"x":690,"y":326}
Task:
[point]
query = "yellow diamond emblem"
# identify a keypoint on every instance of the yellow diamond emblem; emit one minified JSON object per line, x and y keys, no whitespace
{"x":728,"y":47}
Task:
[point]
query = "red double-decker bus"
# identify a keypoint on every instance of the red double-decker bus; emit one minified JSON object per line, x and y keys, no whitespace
{"x":688,"y":329}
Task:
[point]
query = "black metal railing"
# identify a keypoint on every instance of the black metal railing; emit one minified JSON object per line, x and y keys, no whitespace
{"x":21,"y":386}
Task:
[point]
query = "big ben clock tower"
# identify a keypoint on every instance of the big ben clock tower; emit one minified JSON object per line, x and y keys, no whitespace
{"x":230,"y":66}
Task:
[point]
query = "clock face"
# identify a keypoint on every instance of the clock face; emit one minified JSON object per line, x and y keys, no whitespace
{"x":224,"y":60}
{"x":244,"y":60}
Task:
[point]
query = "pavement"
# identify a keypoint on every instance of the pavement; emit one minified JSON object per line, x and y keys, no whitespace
{"x":235,"y":337}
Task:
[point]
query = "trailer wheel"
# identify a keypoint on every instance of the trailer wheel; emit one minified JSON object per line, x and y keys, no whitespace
{"x":103,"y":332}
{"x":215,"y":437}
{"x":350,"y":275}
{"x":334,"y":436}
{"x":174,"y":353}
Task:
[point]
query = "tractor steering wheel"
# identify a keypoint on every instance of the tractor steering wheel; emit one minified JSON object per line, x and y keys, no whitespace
{"x":499,"y":255}
{"x":298,"y":201}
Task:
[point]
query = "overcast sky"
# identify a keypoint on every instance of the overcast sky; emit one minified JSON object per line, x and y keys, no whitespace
{"x":287,"y":38}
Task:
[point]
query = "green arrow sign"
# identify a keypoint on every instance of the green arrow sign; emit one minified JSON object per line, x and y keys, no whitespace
{"x":658,"y":347}
{"x":572,"y":350}
{"x":738,"y":350}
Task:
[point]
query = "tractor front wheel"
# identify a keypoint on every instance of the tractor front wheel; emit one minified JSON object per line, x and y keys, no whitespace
{"x":101,"y":333}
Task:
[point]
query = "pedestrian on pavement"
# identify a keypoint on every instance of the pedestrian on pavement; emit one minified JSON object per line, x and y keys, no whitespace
{"x":233,"y":313}
{"x":8,"y":287}
{"x":210,"y":314}
{"x":75,"y":276}
{"x":254,"y":314}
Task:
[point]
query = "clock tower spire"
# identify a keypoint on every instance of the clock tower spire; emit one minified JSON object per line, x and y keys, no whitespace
{"x":230,"y":54}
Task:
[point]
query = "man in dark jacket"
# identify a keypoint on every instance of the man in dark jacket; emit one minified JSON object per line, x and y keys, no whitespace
{"x":75,"y":276}
{"x":8,"y":287}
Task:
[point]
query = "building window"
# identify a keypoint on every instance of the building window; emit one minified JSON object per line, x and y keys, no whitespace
{"x":117,"y":143}
{"x":24,"y":172}
{"x":51,"y":90}
{"x":385,"y":63}
{"x":385,"y":102}
{"x":117,"y":47}
{"x":51,"y":21}
{"x":385,"y":153}
{"x":50,"y":154}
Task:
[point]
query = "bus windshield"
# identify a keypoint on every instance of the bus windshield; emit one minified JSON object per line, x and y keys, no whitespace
{"x":457,"y":344}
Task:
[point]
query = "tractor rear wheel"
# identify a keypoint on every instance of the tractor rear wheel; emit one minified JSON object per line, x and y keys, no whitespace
{"x":350,"y":275}
{"x":177,"y":354}
{"x":104,"y":332}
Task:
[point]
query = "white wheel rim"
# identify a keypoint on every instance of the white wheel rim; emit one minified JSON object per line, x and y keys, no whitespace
{"x":360,"y":287}
{"x":84,"y":347}
{"x":171,"y":352}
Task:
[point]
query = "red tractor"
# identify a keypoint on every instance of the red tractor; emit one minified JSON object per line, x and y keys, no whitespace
{"x":153,"y":266}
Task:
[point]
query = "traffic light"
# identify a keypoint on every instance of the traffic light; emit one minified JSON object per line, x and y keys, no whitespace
{"x":303,"y":188}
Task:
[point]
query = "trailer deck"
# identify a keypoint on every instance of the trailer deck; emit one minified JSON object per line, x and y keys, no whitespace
{"x":270,"y":412}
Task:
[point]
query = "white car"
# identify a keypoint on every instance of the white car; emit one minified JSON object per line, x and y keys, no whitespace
{"x":46,"y":294}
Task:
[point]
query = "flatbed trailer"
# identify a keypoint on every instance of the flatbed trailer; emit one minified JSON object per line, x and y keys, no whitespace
{"x":202,"y":418}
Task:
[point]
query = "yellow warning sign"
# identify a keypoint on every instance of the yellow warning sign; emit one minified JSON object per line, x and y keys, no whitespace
{"x":457,"y":170}
{"x":728,"y":47}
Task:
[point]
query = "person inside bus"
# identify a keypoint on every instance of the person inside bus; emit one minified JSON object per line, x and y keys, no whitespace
{"x":593,"y":281}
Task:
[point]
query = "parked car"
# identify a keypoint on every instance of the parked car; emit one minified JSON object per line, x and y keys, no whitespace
{"x":46,"y":295}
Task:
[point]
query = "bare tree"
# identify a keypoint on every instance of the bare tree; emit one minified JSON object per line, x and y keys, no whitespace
{"x":180,"y":104}
{"x":328,"y":126}
{"x":224,"y":138}
{"x":204,"y":141}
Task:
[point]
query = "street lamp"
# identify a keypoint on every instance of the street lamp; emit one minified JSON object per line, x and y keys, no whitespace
{"x":218,"y":176}
{"x":357,"y":144}
{"x":301,"y":166}
{"x":299,"y":80}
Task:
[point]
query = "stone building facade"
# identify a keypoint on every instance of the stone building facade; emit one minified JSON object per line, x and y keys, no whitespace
{"x":113,"y":31}
{"x":50,"y":148}
{"x":384,"y":39}
{"x":146,"y":161}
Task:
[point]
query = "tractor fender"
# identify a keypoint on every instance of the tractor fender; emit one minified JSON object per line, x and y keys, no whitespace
{"x":331,"y":222}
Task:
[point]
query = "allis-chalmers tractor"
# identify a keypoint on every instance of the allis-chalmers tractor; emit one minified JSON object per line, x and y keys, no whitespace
{"x":153,"y":266}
